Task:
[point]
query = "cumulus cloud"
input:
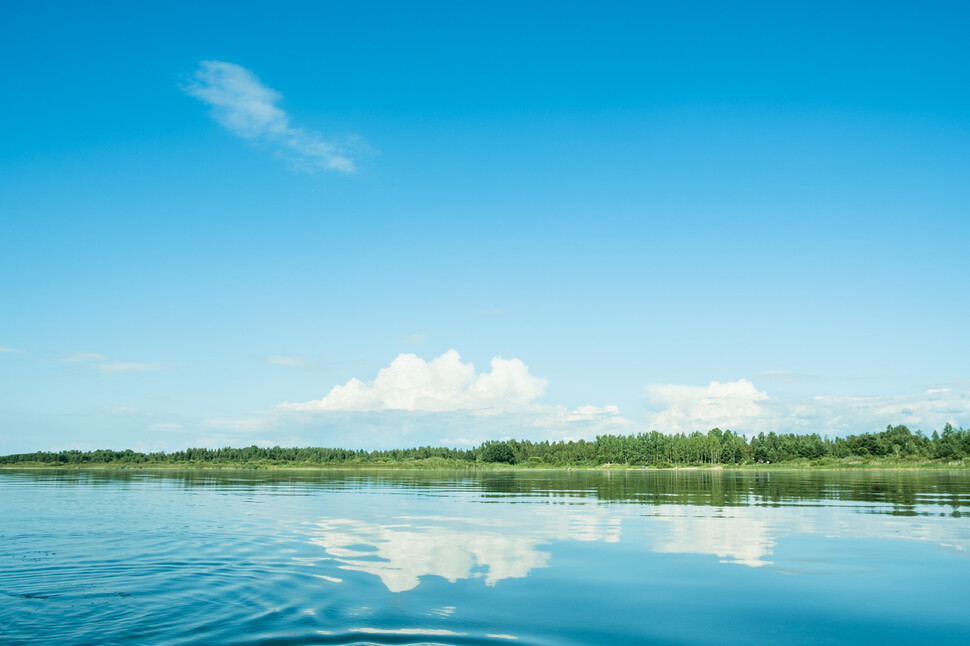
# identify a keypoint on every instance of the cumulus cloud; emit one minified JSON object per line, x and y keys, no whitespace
{"x":443,"y":384}
{"x":725,"y":405}
{"x":442,"y":401}
{"x":247,"y":108}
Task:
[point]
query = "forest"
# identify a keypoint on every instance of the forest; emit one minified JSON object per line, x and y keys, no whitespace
{"x":895,"y":445}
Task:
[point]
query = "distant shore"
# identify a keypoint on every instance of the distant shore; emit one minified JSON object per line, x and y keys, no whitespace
{"x":440,"y":465}
{"x":895,"y":448}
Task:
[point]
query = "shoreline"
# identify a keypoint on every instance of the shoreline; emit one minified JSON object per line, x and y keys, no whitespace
{"x":195,"y":466}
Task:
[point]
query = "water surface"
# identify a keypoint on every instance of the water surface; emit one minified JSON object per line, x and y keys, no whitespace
{"x":309,"y":557}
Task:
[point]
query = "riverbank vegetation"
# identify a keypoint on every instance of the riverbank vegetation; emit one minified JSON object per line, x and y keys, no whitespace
{"x":897,"y":446}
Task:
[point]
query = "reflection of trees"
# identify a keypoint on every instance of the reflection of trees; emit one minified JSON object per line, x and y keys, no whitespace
{"x":903,"y":491}
{"x":882,"y":491}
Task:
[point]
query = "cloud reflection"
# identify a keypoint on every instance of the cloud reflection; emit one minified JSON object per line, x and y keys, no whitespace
{"x":401,"y":554}
{"x":404,"y":549}
{"x":733,"y":539}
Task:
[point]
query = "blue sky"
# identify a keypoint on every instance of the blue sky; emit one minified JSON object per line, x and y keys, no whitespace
{"x":371,"y":224}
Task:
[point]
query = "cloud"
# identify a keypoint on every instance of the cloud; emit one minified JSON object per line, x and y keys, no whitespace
{"x":247,"y":108}
{"x":743,"y":408}
{"x":243,"y":424}
{"x":84,"y":357}
{"x":442,"y":401}
{"x":106,"y":365}
{"x":4,"y":349}
{"x":784,"y":377}
{"x":413,"y":338}
{"x":111,"y":367}
{"x":287,"y":361}
{"x":684,"y":408}
{"x":166,"y":426}
{"x":443,"y":384}
{"x":583,"y":422}
{"x":123,"y":411}
{"x":929,"y":410}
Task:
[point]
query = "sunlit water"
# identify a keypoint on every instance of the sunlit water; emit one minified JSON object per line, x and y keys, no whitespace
{"x":239,"y":557}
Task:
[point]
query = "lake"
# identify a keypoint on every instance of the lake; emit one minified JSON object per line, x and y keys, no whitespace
{"x":494,"y":557}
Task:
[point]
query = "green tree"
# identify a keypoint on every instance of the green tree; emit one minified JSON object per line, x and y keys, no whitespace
{"x":498,"y":452}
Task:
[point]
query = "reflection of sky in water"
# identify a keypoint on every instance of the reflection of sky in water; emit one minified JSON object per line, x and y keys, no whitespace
{"x":402,"y":553}
{"x":403,"y":549}
{"x":561,"y":559}
{"x":736,"y":538}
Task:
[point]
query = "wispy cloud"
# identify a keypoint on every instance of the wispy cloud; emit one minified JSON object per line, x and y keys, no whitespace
{"x":106,"y":365}
{"x":742,"y":407}
{"x":123,"y":411}
{"x":784,"y":377}
{"x":170,"y":427}
{"x":288,"y":360}
{"x":130,"y":366}
{"x":85,"y":357}
{"x":248,"y":109}
{"x":5,"y":350}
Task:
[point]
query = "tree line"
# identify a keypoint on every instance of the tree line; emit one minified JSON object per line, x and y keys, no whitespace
{"x":716,"y":447}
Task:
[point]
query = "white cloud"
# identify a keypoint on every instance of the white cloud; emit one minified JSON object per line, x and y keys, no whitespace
{"x":4,"y":349}
{"x":112,"y":367}
{"x":443,"y":384}
{"x":106,"y":365}
{"x":443,"y":401}
{"x":784,"y":377}
{"x":287,"y":361}
{"x":241,"y":425}
{"x":686,"y":408}
{"x":927,"y":411}
{"x":248,"y":109}
{"x":123,"y":411}
{"x":583,"y":422}
{"x":166,"y":426}
{"x":85,"y":357}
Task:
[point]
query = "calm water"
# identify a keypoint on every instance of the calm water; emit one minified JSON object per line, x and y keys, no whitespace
{"x":239,"y":557}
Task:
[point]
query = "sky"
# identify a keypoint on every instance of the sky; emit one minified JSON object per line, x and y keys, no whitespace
{"x":374,"y":225}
